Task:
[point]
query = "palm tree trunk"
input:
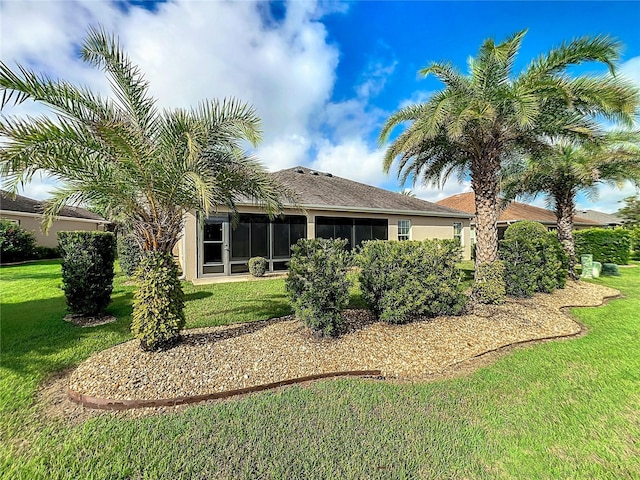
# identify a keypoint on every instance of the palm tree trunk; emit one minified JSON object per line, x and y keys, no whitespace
{"x":484,"y":181}
{"x":564,"y":222}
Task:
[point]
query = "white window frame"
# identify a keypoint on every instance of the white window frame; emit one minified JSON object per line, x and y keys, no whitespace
{"x":459,"y":235}
{"x":404,"y":231}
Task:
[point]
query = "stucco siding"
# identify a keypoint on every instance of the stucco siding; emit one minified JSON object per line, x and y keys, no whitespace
{"x":422,"y":227}
{"x":33,"y":223}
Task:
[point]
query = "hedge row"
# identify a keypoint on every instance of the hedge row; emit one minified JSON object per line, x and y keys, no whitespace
{"x":607,"y":245}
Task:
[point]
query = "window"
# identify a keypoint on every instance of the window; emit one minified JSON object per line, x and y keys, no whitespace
{"x":212,"y":240}
{"x":404,"y":229}
{"x":457,"y":231}
{"x":355,"y":230}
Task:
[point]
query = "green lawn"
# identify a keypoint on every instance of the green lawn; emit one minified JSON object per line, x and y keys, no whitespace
{"x":566,"y":409}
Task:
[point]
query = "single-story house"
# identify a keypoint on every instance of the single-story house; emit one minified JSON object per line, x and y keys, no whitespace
{"x":514,"y":212}
{"x":605,"y":220}
{"x":328,"y":206}
{"x":27,"y":213}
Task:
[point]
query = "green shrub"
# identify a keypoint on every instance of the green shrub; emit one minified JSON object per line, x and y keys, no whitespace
{"x":533,"y":258}
{"x":16,"y":244}
{"x":610,"y":269}
{"x":87,"y":270}
{"x":158,"y":305}
{"x":489,"y":286}
{"x":635,"y":242}
{"x":607,"y":245}
{"x":129,"y":253}
{"x":44,"y":253}
{"x":404,"y":280}
{"x":317,"y":283}
{"x":257,"y":266}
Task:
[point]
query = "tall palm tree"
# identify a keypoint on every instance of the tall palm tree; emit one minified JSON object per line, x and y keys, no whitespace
{"x":126,"y":156}
{"x":568,"y":168}
{"x":481,"y":120}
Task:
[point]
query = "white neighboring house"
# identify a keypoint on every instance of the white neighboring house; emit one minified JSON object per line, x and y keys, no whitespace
{"x":27,"y":213}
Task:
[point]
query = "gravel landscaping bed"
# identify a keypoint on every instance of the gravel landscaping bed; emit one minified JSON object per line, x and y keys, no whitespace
{"x":218,"y":359}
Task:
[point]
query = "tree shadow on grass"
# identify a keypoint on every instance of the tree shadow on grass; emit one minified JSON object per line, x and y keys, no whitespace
{"x":202,"y":294}
{"x":35,"y":337}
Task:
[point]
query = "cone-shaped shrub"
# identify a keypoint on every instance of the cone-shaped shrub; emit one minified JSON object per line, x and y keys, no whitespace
{"x":317,"y":283}
{"x":158,"y":306}
{"x":87,"y":270}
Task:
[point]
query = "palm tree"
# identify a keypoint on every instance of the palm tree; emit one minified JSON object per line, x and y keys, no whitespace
{"x":125,"y":156}
{"x":568,"y":168}
{"x":481,"y":120}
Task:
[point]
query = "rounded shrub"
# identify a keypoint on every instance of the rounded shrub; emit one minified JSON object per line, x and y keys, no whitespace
{"x":534,"y":260}
{"x":129,"y":253}
{"x":404,"y":280}
{"x":158,"y":305}
{"x":257,"y":266}
{"x":87,"y":270}
{"x":317,"y":283}
{"x":488,"y":286}
{"x":16,"y":244}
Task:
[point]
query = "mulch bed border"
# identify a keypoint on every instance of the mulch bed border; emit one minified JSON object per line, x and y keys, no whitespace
{"x":107,"y":404}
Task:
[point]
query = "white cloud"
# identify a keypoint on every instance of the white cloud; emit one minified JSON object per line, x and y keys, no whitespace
{"x":631,"y":70}
{"x":190,"y":51}
{"x":433,"y":194}
{"x":609,"y":198}
{"x":351,"y":159}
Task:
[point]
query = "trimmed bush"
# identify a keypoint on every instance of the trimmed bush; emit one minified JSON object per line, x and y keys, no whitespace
{"x":317,"y":283}
{"x":534,"y":260}
{"x":87,"y":270}
{"x":635,"y":242}
{"x":257,"y":266}
{"x":489,"y":287}
{"x":607,"y":245}
{"x":610,"y":269}
{"x":129,"y":253}
{"x":404,"y":280}
{"x":16,"y":244}
{"x":44,"y":253}
{"x":158,"y":305}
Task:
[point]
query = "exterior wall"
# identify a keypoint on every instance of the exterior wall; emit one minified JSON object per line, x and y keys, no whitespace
{"x":421,"y":228}
{"x":32,"y":223}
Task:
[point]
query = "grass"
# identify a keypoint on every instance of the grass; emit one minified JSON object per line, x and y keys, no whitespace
{"x":566,"y":409}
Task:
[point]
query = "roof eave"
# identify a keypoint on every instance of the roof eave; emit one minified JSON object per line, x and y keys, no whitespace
{"x":386,"y":211}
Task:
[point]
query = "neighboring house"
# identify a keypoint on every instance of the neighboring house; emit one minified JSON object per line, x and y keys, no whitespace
{"x":27,"y":213}
{"x":328,"y":207}
{"x":605,"y":220}
{"x":514,"y":211}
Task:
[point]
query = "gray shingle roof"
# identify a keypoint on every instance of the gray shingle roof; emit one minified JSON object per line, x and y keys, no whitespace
{"x":29,"y":205}
{"x":323,"y":190}
{"x":600,"y":217}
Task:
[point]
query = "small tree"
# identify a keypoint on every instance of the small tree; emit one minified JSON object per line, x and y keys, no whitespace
{"x":630,"y":212}
{"x":87,"y":270}
{"x":125,"y":156}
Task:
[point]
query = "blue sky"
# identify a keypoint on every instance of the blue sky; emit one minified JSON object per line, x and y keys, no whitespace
{"x":323,"y":76}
